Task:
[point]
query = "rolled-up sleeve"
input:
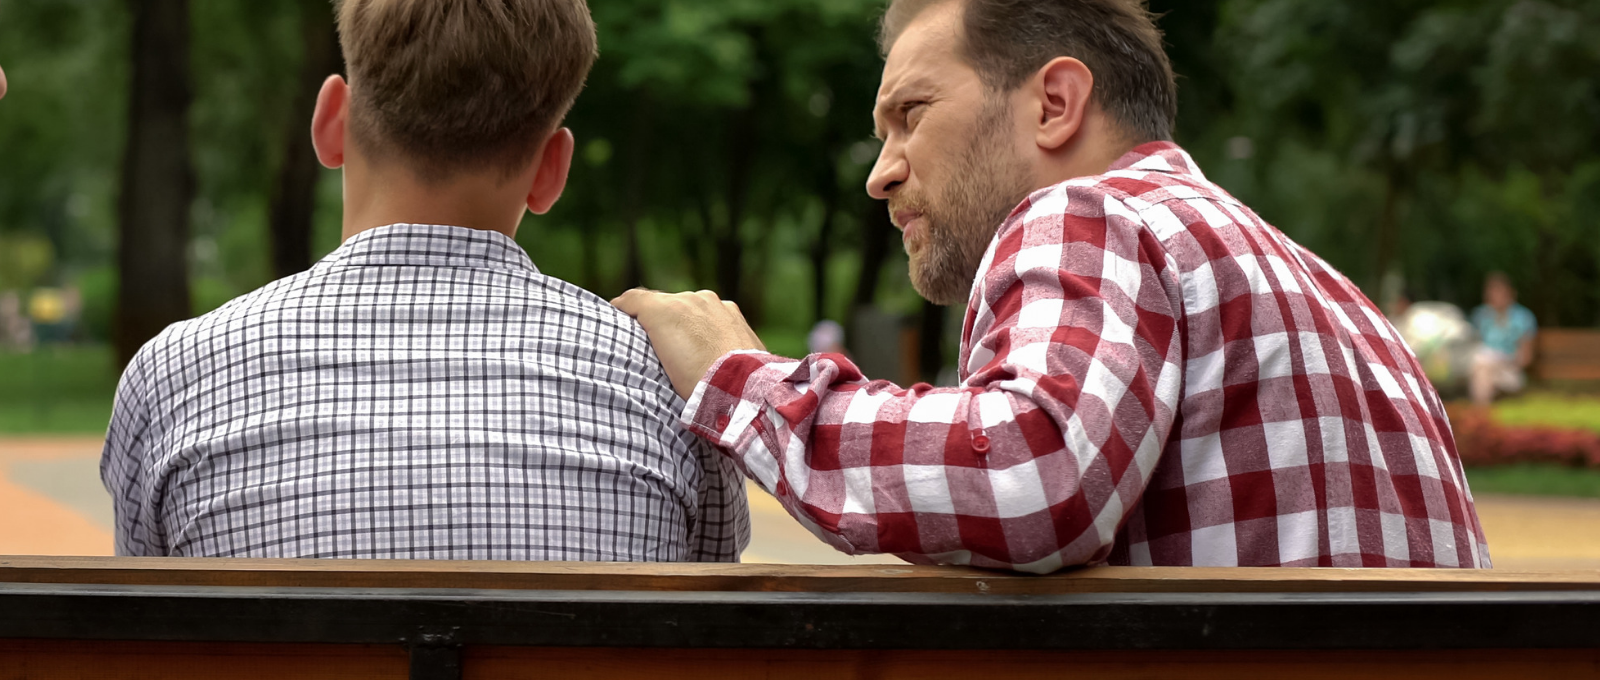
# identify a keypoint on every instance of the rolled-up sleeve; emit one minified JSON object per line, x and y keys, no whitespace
{"x":1034,"y":462}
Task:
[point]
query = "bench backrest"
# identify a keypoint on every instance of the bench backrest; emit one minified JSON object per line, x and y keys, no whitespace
{"x":311,"y":619}
{"x":1567,"y":354}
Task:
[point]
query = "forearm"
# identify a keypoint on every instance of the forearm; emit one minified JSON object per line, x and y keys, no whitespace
{"x":979,"y":475}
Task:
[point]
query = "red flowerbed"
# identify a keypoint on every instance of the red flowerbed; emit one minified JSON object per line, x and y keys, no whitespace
{"x":1481,"y":441}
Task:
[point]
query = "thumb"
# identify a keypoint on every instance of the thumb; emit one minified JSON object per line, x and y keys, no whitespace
{"x":632,"y":302}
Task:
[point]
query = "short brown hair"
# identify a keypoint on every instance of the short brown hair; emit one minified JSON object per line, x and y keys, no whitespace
{"x":455,"y":85}
{"x":1007,"y":41}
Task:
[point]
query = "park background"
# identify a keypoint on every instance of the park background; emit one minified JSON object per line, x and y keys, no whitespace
{"x":155,"y":162}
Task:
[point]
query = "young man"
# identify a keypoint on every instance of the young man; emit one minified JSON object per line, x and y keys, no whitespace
{"x":423,"y":392}
{"x":1150,"y":373}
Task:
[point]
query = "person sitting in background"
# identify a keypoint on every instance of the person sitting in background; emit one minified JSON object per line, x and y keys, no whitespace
{"x":1507,"y":330}
{"x":424,"y":392}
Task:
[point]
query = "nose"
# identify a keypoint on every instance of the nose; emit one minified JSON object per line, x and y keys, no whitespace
{"x":888,"y":173}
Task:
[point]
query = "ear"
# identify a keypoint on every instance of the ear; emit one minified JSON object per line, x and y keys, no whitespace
{"x":1063,"y":88}
{"x":329,"y":121}
{"x":555,"y":161}
{"x":2,"y":84}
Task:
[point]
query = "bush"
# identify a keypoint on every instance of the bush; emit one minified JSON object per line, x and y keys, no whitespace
{"x":1481,"y":440}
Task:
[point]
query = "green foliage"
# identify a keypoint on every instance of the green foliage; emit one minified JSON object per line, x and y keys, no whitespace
{"x":723,"y":143}
{"x":25,"y":258}
{"x":67,"y":390}
{"x":1534,"y":479}
{"x":61,"y":124}
{"x":1550,"y":410}
{"x":1436,"y":139}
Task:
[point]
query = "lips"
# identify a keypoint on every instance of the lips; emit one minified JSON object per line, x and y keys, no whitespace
{"x":913,"y":233}
{"x":903,"y":218}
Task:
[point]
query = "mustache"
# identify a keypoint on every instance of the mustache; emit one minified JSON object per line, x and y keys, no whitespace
{"x":907,"y":203}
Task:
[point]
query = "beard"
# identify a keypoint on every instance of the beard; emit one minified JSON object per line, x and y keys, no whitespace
{"x":961,"y":220}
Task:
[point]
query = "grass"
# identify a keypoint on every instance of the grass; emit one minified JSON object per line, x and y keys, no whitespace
{"x":1550,"y":410}
{"x":1535,"y":479}
{"x":57,"y":390}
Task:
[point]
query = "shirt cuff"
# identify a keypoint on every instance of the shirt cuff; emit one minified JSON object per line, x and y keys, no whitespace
{"x":730,"y":397}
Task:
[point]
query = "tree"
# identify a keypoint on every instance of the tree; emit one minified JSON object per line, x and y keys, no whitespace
{"x":1434,"y":139}
{"x":157,"y":179}
{"x":294,"y":199}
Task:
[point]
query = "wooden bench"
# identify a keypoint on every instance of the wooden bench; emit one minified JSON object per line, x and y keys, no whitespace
{"x":1567,"y":354}
{"x":248,"y":619}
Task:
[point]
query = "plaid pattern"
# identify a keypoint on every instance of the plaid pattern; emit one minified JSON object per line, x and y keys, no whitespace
{"x":1150,"y":375}
{"x":421,"y":393}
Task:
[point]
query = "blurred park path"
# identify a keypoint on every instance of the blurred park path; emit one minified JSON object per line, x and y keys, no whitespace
{"x":51,"y":503}
{"x":51,"y":500}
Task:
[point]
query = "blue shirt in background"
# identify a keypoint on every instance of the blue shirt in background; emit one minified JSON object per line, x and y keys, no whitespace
{"x":1503,"y":338}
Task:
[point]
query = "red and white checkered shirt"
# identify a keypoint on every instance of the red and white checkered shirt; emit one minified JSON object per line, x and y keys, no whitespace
{"x":1151,"y":375}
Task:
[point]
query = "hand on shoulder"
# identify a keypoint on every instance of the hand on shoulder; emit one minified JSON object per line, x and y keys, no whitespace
{"x":690,"y":331}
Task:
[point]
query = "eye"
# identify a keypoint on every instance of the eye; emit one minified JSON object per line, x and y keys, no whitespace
{"x":912,"y":112}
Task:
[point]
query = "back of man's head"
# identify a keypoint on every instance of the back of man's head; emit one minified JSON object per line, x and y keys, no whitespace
{"x":462,"y":86}
{"x":1007,"y":41}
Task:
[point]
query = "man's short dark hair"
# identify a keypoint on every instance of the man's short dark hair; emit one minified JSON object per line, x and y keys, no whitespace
{"x":458,"y":85}
{"x":1007,"y":41}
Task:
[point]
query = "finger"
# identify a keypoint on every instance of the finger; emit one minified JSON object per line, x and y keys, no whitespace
{"x":634,"y":301}
{"x":708,"y":296}
{"x":732,"y":307}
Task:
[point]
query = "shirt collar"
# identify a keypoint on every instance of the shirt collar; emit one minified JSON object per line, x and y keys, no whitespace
{"x":431,"y":245}
{"x":1159,"y":157}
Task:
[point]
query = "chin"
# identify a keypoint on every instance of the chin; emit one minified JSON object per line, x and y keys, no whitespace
{"x":939,"y":292}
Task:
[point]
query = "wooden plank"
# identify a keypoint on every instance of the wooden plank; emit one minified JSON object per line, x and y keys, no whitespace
{"x":1567,"y":354}
{"x":60,"y":660}
{"x":76,"y":660}
{"x":1584,"y":372}
{"x":766,"y":578}
{"x":588,"y":664}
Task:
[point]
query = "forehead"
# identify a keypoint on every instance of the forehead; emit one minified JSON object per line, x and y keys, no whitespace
{"x":926,"y":51}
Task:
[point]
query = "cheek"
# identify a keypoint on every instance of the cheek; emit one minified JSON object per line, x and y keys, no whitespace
{"x":925,"y":161}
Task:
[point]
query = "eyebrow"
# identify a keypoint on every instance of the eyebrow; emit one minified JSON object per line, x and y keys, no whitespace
{"x":895,"y":97}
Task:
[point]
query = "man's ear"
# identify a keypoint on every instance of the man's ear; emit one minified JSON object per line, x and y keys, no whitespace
{"x":2,"y":84}
{"x":555,"y":161}
{"x":329,"y":121}
{"x":1063,"y":88}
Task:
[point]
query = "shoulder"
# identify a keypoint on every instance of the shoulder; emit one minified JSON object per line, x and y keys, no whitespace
{"x":590,"y":313}
{"x":1524,"y":316}
{"x":609,"y":336}
{"x":165,"y":355}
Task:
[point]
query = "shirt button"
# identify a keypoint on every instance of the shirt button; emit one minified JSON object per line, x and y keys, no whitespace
{"x":722,"y":422}
{"x":980,"y":443}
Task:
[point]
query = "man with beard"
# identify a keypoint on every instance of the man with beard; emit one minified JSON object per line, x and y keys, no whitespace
{"x":1151,"y":374}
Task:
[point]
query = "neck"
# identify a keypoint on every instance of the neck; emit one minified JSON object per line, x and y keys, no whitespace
{"x":380,"y":196}
{"x":1091,"y":152}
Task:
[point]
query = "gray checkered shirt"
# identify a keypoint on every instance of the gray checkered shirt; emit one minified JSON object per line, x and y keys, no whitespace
{"x":421,"y":393}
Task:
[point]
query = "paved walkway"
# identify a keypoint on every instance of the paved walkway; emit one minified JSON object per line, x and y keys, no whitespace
{"x":51,"y":503}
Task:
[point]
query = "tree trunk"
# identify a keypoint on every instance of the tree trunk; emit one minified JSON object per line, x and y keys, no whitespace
{"x":294,"y":195}
{"x":157,"y":179}
{"x":1388,"y":234}
{"x":876,"y":234}
{"x":930,"y":342}
{"x":633,"y":197}
{"x":822,"y":248}
{"x":730,"y":241}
